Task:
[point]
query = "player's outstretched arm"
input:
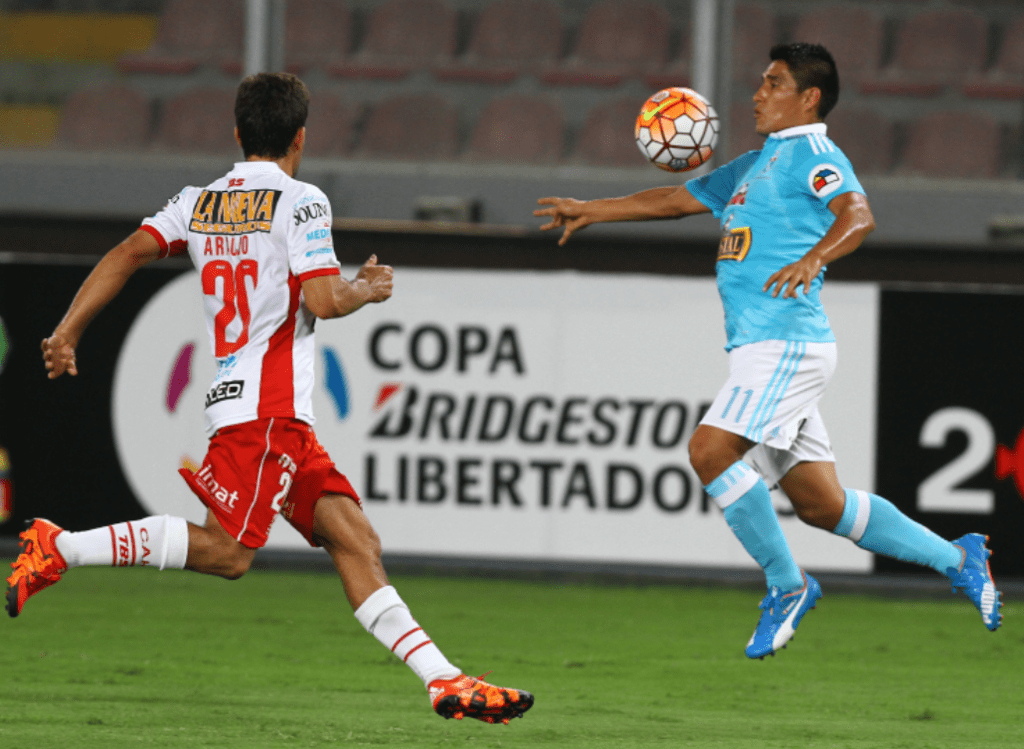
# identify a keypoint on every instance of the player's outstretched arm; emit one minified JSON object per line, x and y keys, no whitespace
{"x":854,"y":221}
{"x":656,"y":203}
{"x":333,"y":296}
{"x":103,"y":284}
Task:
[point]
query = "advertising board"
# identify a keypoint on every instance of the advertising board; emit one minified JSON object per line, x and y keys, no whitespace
{"x":516,"y":415}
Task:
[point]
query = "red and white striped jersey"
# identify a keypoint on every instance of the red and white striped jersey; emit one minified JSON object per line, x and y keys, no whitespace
{"x":254,"y":235}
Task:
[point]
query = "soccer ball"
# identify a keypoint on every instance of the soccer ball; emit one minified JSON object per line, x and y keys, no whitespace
{"x":677,"y":129}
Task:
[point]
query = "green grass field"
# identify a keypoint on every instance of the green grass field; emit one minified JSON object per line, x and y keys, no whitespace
{"x":125,"y":658}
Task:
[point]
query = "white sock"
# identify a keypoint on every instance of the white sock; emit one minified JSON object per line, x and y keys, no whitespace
{"x":385,"y":616}
{"x":160,"y":540}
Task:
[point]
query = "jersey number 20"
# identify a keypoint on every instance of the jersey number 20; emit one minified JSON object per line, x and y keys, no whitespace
{"x":235,"y":298}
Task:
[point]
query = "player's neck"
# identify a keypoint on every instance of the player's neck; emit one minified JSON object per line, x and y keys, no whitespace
{"x":289,"y":164}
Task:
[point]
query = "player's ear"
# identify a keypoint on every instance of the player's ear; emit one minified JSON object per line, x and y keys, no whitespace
{"x":812,"y":100}
{"x":238,"y":139}
{"x":300,"y":139}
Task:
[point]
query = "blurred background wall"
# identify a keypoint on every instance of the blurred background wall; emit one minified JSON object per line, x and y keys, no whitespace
{"x":470,"y":109}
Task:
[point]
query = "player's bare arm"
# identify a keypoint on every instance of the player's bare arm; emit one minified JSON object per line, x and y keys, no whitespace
{"x":648,"y":205}
{"x":333,"y":296}
{"x":854,"y":221}
{"x":99,"y":288}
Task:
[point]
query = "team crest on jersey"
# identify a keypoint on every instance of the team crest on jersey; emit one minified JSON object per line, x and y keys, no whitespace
{"x":735,"y":244}
{"x":825,"y":179}
{"x":234,"y":212}
{"x":740,"y":196}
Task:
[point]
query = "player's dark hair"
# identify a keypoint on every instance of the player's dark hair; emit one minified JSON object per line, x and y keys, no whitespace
{"x":811,"y":66}
{"x":270,"y":108}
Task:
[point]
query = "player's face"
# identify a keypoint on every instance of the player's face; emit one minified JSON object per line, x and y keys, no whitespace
{"x":778,"y":104}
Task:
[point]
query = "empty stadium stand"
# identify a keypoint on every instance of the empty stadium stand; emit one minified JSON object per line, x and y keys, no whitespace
{"x":192,"y":33}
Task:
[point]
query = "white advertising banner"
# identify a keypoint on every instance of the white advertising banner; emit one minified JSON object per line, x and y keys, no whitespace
{"x":517,"y":415}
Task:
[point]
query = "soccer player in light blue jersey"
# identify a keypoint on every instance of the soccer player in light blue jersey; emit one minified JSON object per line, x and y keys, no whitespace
{"x":787,"y":211}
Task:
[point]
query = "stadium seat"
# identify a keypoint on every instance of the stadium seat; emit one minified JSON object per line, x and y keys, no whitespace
{"x":105,"y":117}
{"x":199,"y":120}
{"x":865,"y":135}
{"x":753,"y":36}
{"x":510,"y":37}
{"x":330,"y":128}
{"x":852,"y":33}
{"x":618,"y":39}
{"x":953,"y":143}
{"x":317,"y":33}
{"x":518,"y":129}
{"x":414,"y":127}
{"x":677,"y":71}
{"x":933,"y":50}
{"x":606,"y":138}
{"x":192,"y":33}
{"x":403,"y":36}
{"x":1005,"y":80}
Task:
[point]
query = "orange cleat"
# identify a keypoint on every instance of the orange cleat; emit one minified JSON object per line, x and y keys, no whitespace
{"x":38,"y":566}
{"x":465,"y":696}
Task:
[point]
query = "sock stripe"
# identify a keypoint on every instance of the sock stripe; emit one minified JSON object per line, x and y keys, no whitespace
{"x":734,"y":482}
{"x":131,"y":535}
{"x":425,"y":642}
{"x":399,"y":640}
{"x":860,"y":523}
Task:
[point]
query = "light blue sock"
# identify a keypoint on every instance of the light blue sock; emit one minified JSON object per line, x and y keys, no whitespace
{"x":874,"y":523}
{"x":743,"y":497}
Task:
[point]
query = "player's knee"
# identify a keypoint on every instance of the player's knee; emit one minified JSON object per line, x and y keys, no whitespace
{"x":703,"y":457}
{"x":817,"y":515}
{"x":234,"y":562}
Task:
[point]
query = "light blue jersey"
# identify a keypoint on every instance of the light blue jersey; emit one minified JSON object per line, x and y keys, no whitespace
{"x":773,"y":205}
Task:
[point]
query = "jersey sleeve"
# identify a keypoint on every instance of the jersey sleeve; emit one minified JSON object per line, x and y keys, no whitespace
{"x":169,"y":227}
{"x":715,"y":188}
{"x":310,"y":245}
{"x":825,"y":174}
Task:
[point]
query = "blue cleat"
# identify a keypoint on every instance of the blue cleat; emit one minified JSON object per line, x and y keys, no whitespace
{"x":780,"y":616}
{"x":974,"y":578}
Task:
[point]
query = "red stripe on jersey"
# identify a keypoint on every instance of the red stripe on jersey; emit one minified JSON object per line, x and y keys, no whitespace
{"x":113,"y":547}
{"x":319,"y":272}
{"x":399,"y":640}
{"x":157,"y":236}
{"x":277,"y":383}
{"x":177,"y":247}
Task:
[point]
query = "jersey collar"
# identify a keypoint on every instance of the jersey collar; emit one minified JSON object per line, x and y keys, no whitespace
{"x":792,"y":132}
{"x":257,"y":166}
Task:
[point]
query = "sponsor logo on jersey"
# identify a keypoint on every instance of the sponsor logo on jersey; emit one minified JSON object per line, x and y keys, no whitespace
{"x":310,"y":212}
{"x":735,"y":244}
{"x":214,"y":488}
{"x":825,"y":179}
{"x":740,"y":196}
{"x":225,"y":391}
{"x":318,"y":234}
{"x":234,"y":212}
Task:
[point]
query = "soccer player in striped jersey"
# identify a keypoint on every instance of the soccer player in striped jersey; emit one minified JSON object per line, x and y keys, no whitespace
{"x":786,"y":211}
{"x":261,"y":241}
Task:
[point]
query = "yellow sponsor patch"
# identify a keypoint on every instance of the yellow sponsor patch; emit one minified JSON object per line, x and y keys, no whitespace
{"x":735,"y":244}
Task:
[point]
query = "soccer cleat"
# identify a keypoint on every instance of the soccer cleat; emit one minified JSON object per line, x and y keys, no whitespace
{"x":974,"y":578}
{"x":38,"y":566}
{"x":466,"y":697}
{"x":780,"y":616}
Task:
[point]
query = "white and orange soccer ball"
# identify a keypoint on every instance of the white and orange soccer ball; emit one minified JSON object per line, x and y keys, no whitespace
{"x":677,"y":129}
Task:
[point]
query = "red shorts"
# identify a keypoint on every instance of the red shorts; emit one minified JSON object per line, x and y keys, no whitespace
{"x":253,"y":471}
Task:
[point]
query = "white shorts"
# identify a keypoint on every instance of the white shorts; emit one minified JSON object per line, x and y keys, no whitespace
{"x":771,"y":398}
